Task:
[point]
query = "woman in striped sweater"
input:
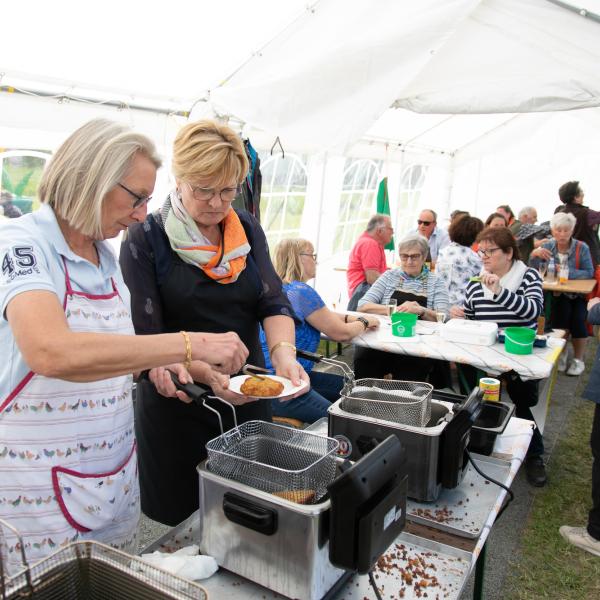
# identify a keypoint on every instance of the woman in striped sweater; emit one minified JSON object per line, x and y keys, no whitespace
{"x":510,"y":294}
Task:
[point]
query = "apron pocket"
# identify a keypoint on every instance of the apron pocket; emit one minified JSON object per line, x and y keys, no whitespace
{"x":91,"y":501}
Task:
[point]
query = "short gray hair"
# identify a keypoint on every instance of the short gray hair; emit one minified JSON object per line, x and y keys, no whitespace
{"x":412,"y":240}
{"x":527,"y":210}
{"x":376,"y":221}
{"x":90,"y":163}
{"x":561,"y":219}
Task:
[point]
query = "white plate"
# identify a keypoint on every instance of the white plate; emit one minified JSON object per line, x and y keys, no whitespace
{"x":235,"y":383}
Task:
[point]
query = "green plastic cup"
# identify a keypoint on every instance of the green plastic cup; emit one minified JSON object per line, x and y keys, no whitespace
{"x":403,"y":324}
{"x":519,"y":340}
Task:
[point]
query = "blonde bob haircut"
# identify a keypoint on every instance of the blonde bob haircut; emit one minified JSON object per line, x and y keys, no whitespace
{"x":208,"y":151}
{"x":286,"y":259}
{"x":89,"y":164}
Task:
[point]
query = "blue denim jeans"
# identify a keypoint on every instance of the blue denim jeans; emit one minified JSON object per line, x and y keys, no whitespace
{"x":313,"y":405}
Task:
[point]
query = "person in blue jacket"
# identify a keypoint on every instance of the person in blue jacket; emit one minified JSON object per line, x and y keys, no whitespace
{"x":588,"y":538}
{"x":568,"y":310}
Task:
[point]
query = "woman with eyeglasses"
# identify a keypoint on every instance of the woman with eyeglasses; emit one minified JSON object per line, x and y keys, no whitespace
{"x":68,"y":461}
{"x":416,"y":290}
{"x":197,"y":263}
{"x":508,"y":293}
{"x":296,"y":263}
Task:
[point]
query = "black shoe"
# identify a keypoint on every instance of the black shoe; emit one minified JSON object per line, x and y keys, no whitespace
{"x":535,"y":471}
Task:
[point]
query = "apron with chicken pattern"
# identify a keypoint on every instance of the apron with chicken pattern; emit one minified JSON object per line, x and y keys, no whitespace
{"x":68,"y":460}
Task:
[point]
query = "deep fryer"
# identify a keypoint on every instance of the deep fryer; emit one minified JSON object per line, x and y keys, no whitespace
{"x":298,"y":550}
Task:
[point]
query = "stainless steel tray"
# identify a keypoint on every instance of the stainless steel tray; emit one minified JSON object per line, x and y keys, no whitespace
{"x":450,"y":566}
{"x":444,"y":568}
{"x":464,"y":510}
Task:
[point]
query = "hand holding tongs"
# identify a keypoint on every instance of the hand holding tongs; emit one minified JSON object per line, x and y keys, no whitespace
{"x":199,"y":395}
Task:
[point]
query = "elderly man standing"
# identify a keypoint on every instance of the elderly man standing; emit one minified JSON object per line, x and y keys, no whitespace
{"x":367,"y":257}
{"x":436,"y":237}
{"x":526,"y":231}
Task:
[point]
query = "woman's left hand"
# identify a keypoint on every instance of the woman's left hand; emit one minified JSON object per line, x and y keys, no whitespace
{"x":290,"y":368}
{"x":491,"y":282}
{"x":410,"y":306}
{"x":592,"y":302}
{"x":161,"y":378}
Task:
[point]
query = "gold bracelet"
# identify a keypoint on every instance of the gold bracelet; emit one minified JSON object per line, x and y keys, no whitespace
{"x":187,"y":363}
{"x":279,"y":344}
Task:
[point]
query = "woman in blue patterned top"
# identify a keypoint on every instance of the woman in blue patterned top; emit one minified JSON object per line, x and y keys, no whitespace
{"x":457,"y":263}
{"x":295,"y":262}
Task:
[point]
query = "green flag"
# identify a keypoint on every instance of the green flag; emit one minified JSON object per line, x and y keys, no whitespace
{"x":383,"y":205}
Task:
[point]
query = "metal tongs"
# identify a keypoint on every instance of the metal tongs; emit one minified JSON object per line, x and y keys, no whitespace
{"x":247,"y":370}
{"x":200,"y":395}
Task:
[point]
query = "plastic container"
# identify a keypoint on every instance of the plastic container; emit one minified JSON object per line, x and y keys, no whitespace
{"x":490,"y":422}
{"x":519,"y":340}
{"x":551,"y":273}
{"x":404,"y":324}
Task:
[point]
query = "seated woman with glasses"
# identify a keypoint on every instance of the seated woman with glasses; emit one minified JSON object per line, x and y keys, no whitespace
{"x":198,"y":264}
{"x":509,"y":293}
{"x":416,"y":289}
{"x":569,"y":311}
{"x":296,"y":263}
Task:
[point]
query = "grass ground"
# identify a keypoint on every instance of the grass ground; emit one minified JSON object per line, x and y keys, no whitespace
{"x":548,"y":567}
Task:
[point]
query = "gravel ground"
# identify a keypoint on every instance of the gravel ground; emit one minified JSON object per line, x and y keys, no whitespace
{"x":503,"y":545}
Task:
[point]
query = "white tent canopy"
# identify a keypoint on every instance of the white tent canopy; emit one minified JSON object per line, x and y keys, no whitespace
{"x":498,"y":98}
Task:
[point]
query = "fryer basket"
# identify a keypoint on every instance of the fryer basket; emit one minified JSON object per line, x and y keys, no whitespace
{"x":273,"y":458}
{"x":403,"y":402}
{"x":93,"y":571}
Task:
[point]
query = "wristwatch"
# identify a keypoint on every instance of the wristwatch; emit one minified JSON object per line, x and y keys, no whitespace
{"x":363,"y":321}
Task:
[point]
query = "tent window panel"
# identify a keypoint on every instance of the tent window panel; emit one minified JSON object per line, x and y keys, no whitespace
{"x":283,"y":195}
{"x":21,"y":174}
{"x":293,"y":213}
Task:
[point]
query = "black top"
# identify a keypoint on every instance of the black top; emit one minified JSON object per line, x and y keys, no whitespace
{"x":583,"y":231}
{"x":169,"y":295}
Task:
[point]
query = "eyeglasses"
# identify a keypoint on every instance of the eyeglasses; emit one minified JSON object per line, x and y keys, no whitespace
{"x":313,"y":256}
{"x":487,"y":253}
{"x":407,"y":257}
{"x":227,"y":194}
{"x":426,"y":223}
{"x":139,"y":200}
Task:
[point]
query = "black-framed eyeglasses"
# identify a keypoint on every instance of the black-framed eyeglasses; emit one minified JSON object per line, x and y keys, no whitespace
{"x":487,"y":253}
{"x":227,"y":194}
{"x":426,"y":223}
{"x":412,"y":257}
{"x":139,"y":200}
{"x":313,"y":256}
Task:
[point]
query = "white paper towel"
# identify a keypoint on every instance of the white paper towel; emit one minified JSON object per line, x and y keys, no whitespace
{"x":185,"y":562}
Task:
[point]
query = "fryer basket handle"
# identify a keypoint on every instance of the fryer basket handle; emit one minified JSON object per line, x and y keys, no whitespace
{"x":200,"y":395}
{"x":6,"y":524}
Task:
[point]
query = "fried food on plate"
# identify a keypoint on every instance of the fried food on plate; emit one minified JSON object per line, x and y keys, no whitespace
{"x":297,"y":496}
{"x":261,"y":387}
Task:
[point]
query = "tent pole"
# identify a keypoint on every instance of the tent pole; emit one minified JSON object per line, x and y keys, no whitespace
{"x":584,"y":12}
{"x":320,"y":213}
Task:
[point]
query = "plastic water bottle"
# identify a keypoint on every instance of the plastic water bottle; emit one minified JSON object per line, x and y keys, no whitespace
{"x":551,"y":273}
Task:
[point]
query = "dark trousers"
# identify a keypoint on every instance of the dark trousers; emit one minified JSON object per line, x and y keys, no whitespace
{"x":594,"y":516}
{"x":524,"y":395}
{"x":376,"y":364}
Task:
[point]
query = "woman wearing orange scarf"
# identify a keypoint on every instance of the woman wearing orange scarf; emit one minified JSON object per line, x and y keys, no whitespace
{"x":199,"y":265}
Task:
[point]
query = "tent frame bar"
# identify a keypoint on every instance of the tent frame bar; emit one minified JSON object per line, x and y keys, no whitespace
{"x":583,"y":12}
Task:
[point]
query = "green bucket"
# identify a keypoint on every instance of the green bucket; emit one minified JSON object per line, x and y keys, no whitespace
{"x":403,"y":324}
{"x":519,"y":340}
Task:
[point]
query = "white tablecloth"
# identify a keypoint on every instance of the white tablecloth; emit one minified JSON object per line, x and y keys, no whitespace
{"x":491,"y":359}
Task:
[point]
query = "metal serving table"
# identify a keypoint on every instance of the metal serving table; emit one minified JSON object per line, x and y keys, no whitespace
{"x":423,"y":559}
